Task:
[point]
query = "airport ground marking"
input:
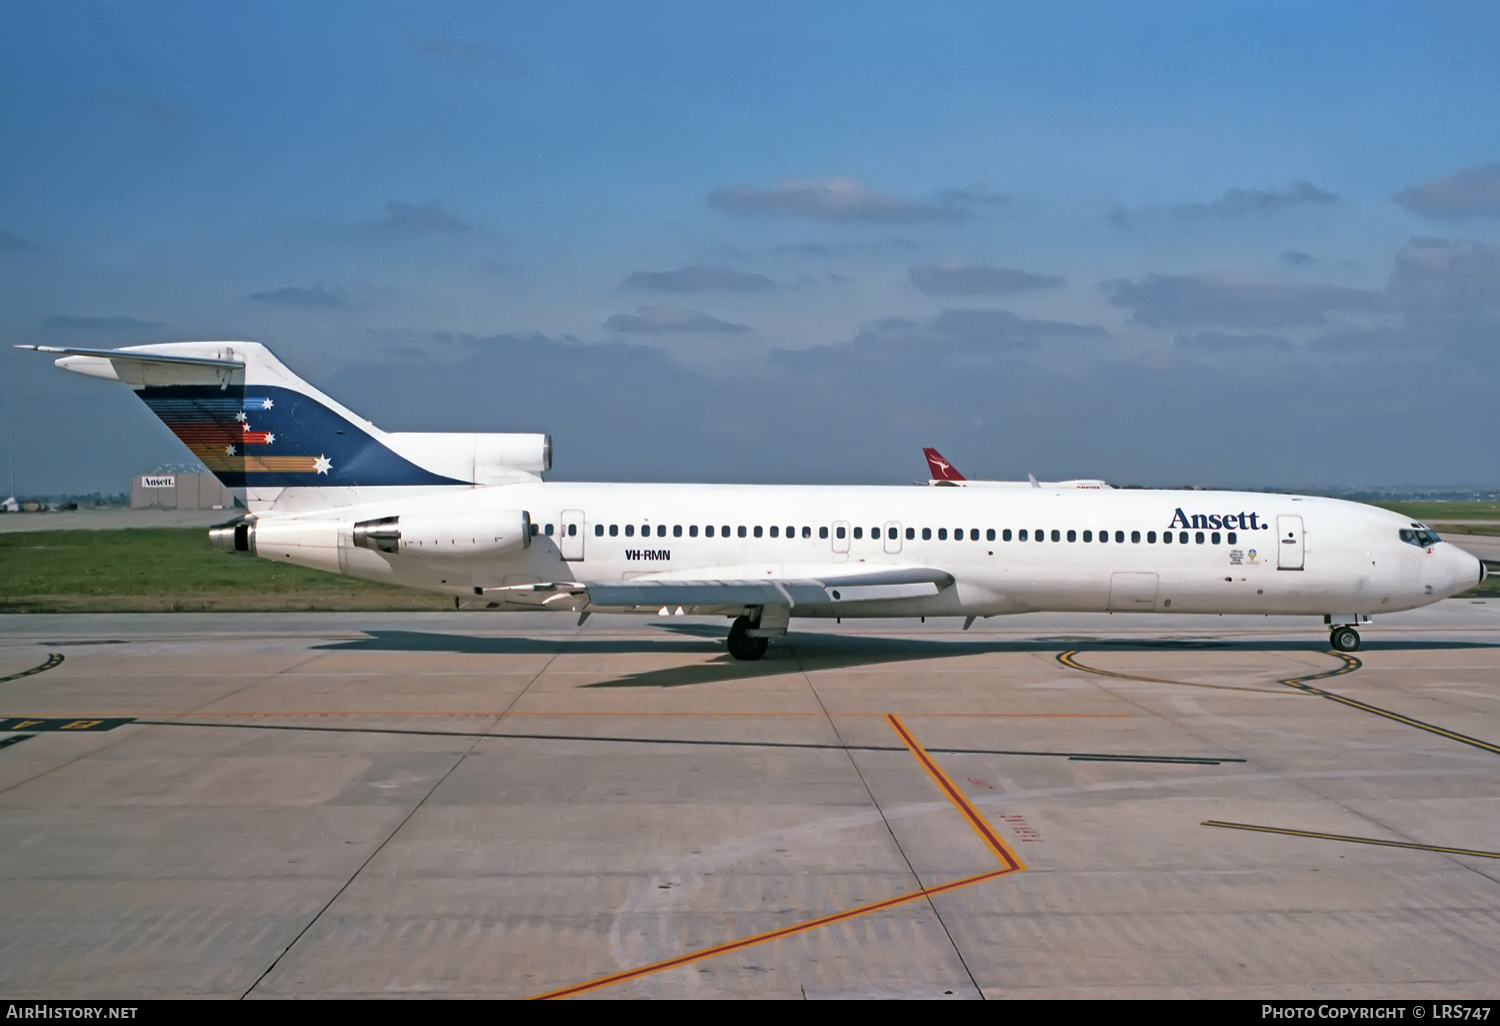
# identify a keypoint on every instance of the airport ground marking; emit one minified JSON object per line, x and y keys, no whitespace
{"x":1350,"y":665}
{"x":14,"y":739}
{"x":54,"y":659}
{"x":1010,"y":863}
{"x":977,"y":823}
{"x":762,"y":938}
{"x":1068,"y":660}
{"x":1350,"y":838}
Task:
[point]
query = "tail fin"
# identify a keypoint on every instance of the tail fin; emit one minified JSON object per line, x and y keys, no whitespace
{"x":283,"y":444}
{"x":941,"y":469}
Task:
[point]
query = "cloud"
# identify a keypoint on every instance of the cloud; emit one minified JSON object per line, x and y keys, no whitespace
{"x":1224,"y":342}
{"x":10,"y":242}
{"x":1297,"y":258}
{"x":449,"y":48}
{"x":101,"y":325}
{"x":424,"y":219}
{"x":670,"y":320}
{"x":1473,"y":192}
{"x":954,"y":338}
{"x":1232,"y":204}
{"x":293,"y":295}
{"x":1446,"y":276}
{"x":976,"y":280}
{"x":846,"y":200}
{"x":1192,"y":300}
{"x":698,"y":279}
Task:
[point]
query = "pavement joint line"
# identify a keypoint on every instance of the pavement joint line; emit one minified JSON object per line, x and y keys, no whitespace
{"x":54,"y":659}
{"x":1010,"y":863}
{"x":1350,"y":838}
{"x":486,"y":714}
{"x":709,"y":742}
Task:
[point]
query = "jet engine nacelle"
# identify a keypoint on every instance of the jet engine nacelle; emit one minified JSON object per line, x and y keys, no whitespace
{"x":447,"y":535}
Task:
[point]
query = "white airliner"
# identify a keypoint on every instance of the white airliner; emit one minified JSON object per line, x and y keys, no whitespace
{"x":945,"y":474}
{"x":469,"y":515}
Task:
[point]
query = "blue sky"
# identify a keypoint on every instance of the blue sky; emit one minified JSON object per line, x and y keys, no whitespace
{"x":1183,"y":243}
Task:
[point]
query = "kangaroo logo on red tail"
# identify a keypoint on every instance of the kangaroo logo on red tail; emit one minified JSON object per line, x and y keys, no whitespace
{"x":941,"y":469}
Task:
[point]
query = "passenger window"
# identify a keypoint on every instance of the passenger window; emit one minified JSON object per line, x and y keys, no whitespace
{"x":1088,"y":536}
{"x":1021,"y":534}
{"x":676,"y":530}
{"x":822,"y":532}
{"x":927,"y":534}
{"x":1072,"y":536}
{"x":859,"y":532}
{"x":1150,"y":537}
{"x":838,"y":532}
{"x":1182,"y":537}
{"x":1198,"y":538}
{"x":973,"y":534}
{"x":1039,"y":535}
{"x":1120,"y":537}
{"x":1103,"y":537}
{"x":1166,"y":537}
{"x":1233,"y":538}
{"x":645,"y":530}
{"x":724,"y":531}
{"x":630,"y":530}
{"x":775,"y":531}
{"x":1057,"y":535}
{"x":741,"y":531}
{"x":692,"y":530}
{"x":708,"y":531}
{"x":942,"y":534}
{"x":1005,"y":535}
{"x":1135,"y":537}
{"x":989,"y":535}
{"x":911,"y":533}
{"x":875,"y":532}
{"x":598,"y":530}
{"x":791,"y":532}
{"x":1214,"y":538}
{"x":661,"y":530}
{"x":572,"y":530}
{"x":614,"y":530}
{"x":758,"y":531}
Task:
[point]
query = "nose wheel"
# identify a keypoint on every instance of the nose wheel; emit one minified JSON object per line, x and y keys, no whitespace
{"x":1344,"y":639}
{"x":741,"y":645}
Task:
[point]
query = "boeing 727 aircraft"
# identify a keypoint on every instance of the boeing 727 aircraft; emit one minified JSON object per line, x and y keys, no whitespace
{"x":469,"y":515}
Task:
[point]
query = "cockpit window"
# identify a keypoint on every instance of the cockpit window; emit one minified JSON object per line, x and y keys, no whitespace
{"x":1419,"y":535}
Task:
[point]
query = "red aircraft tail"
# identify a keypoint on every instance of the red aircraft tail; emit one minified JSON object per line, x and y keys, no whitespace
{"x":941,"y":469}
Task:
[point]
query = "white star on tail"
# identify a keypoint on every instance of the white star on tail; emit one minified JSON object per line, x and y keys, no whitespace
{"x":266,"y":404}
{"x":240,"y":416}
{"x":322,"y":464}
{"x":229,"y":450}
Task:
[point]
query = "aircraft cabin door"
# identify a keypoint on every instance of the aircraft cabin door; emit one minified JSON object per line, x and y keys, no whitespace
{"x":892,"y":537}
{"x":840,"y":537}
{"x":1289,"y":549}
{"x":570,"y":535}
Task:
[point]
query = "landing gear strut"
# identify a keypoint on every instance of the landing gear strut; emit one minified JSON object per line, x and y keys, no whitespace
{"x":741,"y":645}
{"x":1344,"y":639}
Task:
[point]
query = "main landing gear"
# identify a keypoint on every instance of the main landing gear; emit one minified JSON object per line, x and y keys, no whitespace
{"x":1344,"y":639}
{"x":742,"y":645}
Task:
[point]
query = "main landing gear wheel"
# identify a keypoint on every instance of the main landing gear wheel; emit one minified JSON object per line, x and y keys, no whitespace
{"x":741,"y":645}
{"x":1344,"y":639}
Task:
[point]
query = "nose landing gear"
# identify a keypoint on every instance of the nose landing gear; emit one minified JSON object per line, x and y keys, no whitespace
{"x":1344,"y":639}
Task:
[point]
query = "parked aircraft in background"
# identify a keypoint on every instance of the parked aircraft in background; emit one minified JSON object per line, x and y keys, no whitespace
{"x":468,"y":515}
{"x":945,"y":473}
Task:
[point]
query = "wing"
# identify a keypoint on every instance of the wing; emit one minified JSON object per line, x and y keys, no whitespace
{"x":840,"y":587}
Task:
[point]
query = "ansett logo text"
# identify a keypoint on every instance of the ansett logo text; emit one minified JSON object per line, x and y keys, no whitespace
{"x":1211,"y":521}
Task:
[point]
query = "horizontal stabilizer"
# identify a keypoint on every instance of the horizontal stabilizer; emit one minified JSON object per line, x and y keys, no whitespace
{"x":129,"y":357}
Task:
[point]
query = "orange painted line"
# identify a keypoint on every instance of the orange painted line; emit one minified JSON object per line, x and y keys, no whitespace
{"x":980,"y":826}
{"x":495,"y":714}
{"x":762,"y":938}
